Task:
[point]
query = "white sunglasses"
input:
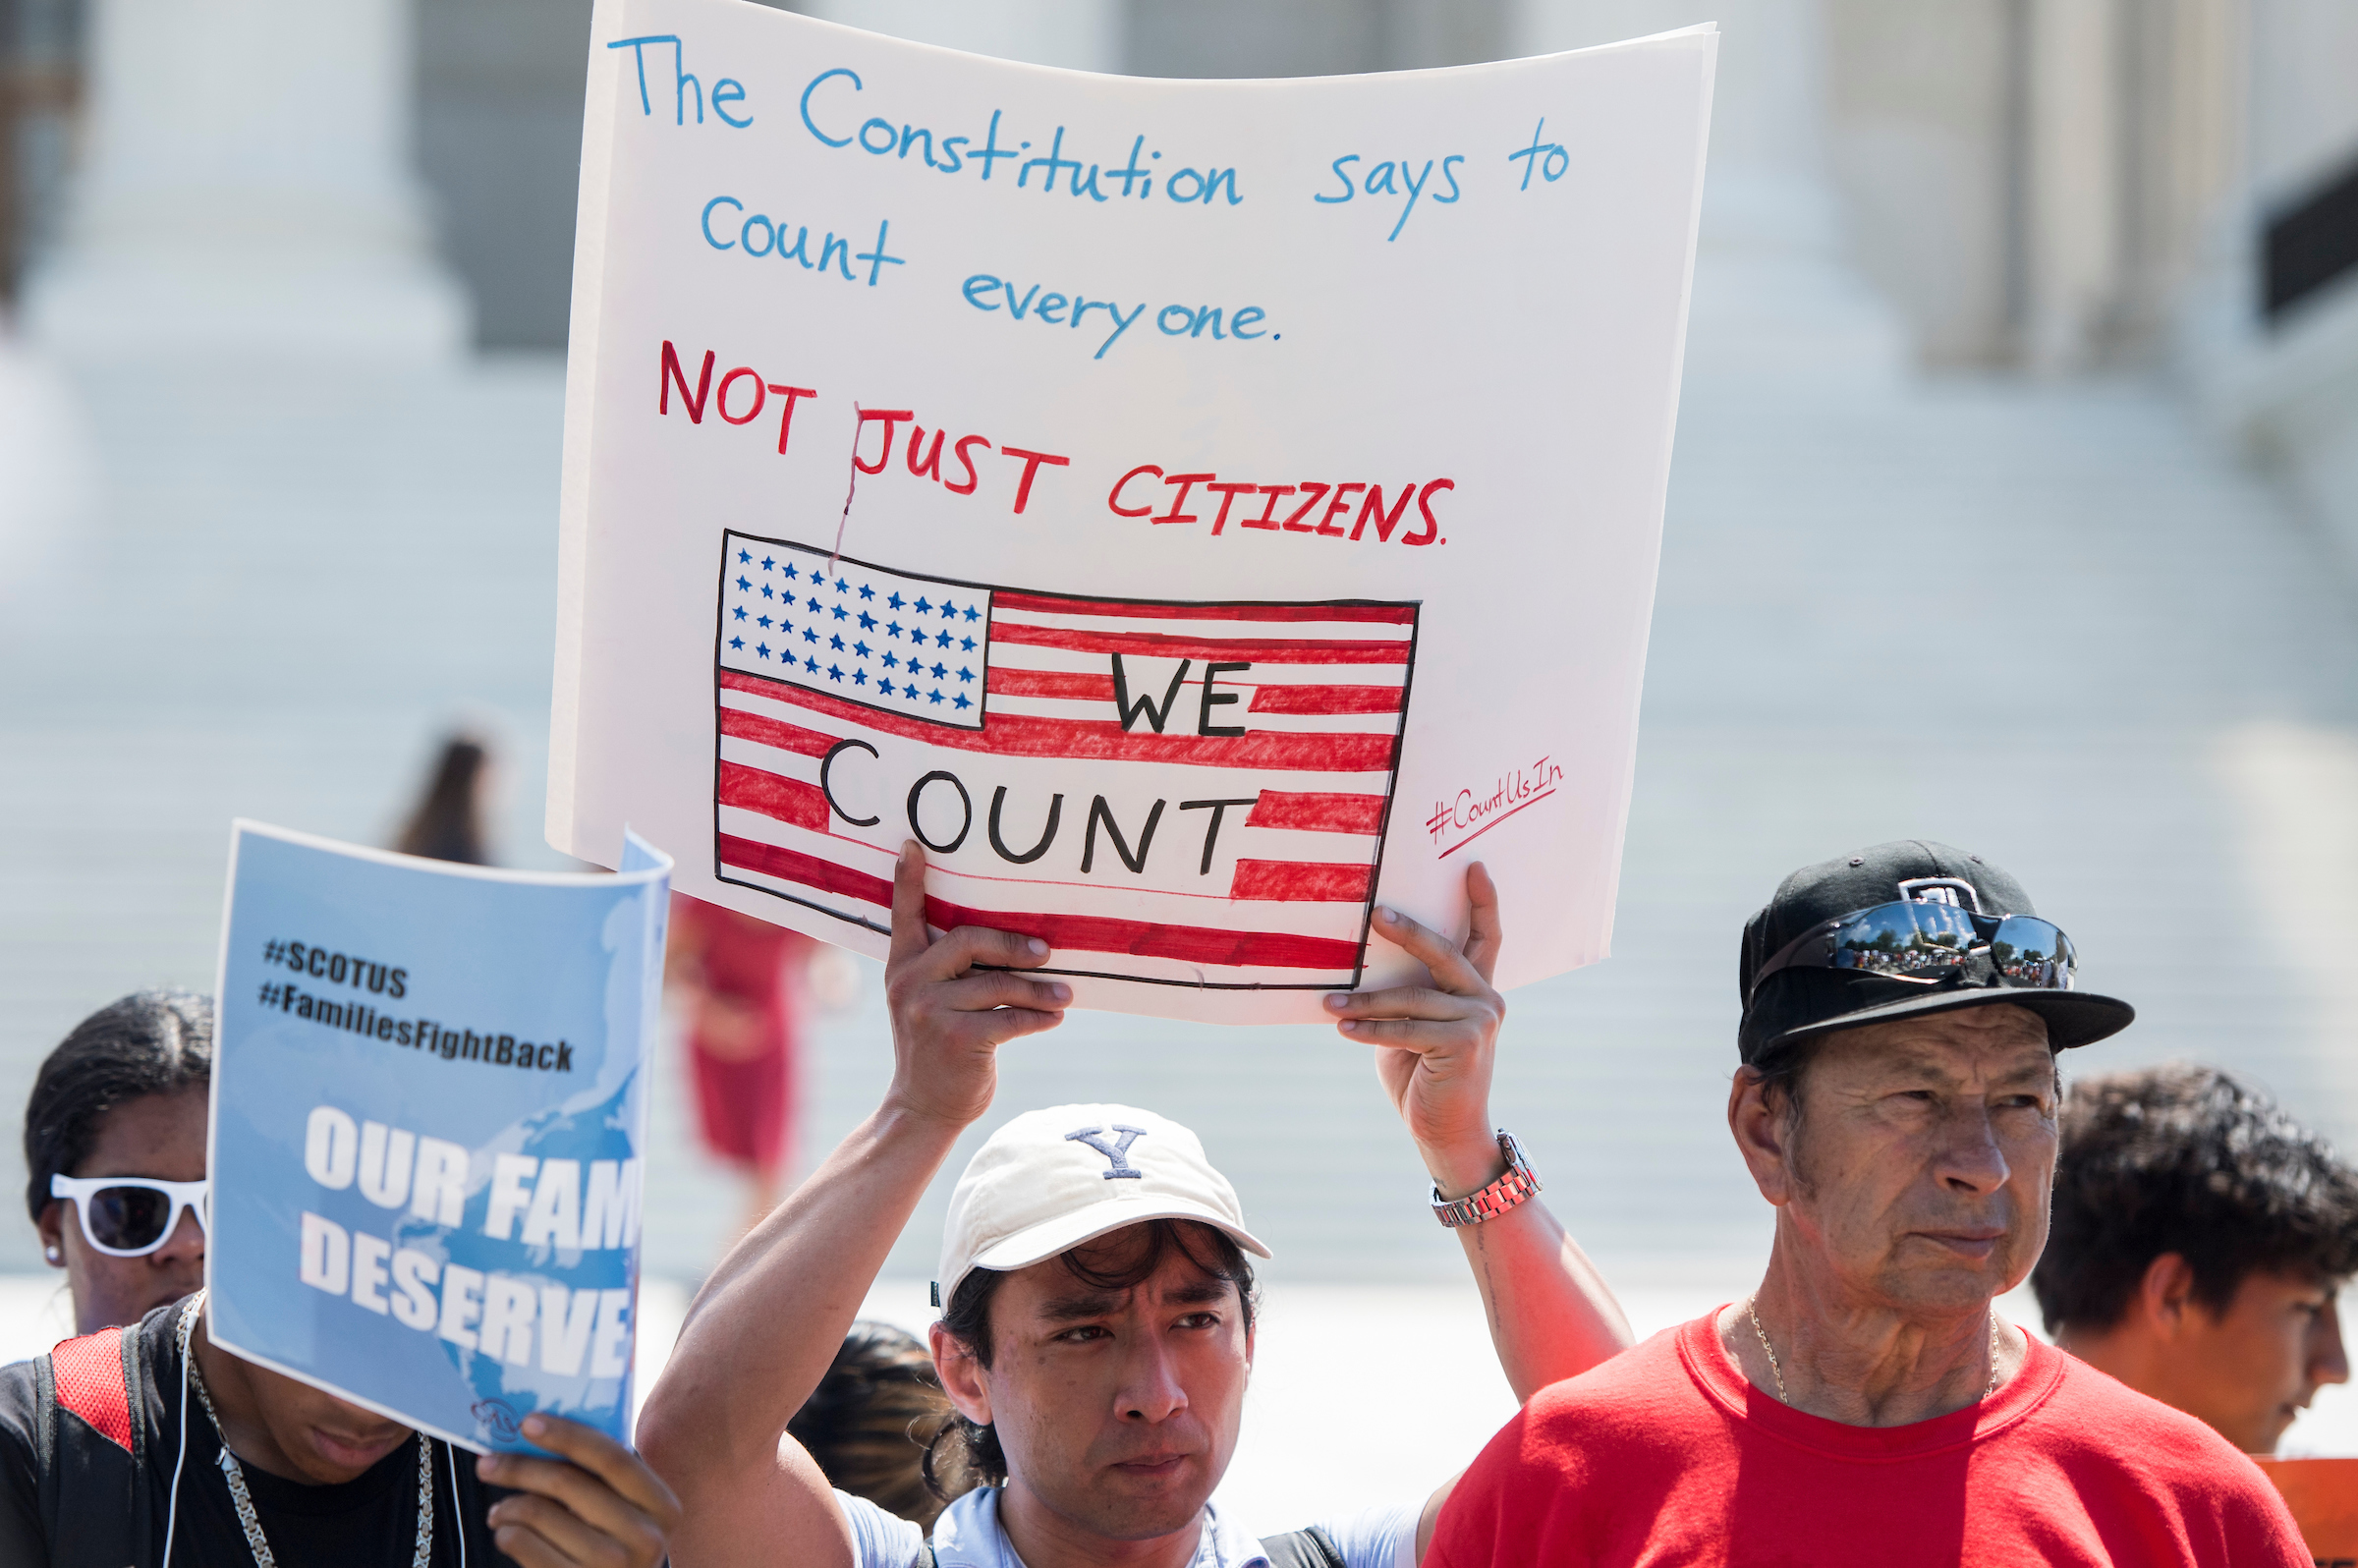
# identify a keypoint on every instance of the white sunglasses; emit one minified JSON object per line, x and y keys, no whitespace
{"x":131,"y":1217}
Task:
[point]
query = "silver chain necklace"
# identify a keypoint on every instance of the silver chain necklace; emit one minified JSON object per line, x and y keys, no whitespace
{"x":236,"y":1473}
{"x":1751,"y":1311}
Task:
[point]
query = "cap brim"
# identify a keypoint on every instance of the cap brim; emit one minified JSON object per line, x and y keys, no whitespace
{"x":1043,"y":1241}
{"x":2072,"y":1018}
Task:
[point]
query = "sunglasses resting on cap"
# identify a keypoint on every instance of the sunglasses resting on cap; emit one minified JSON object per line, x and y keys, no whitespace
{"x":1926,"y":937}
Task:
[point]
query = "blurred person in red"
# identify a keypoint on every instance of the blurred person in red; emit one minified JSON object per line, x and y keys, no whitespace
{"x":744,"y":983}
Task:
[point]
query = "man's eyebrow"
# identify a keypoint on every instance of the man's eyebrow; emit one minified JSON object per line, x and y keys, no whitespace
{"x":1083,"y":1304}
{"x":2040,"y":1073}
{"x":1197,"y":1291}
{"x":1087,"y":1304}
{"x":1919,"y":1061}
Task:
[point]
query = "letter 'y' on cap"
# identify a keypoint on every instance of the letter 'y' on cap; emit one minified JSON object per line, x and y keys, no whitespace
{"x":1053,"y":1179}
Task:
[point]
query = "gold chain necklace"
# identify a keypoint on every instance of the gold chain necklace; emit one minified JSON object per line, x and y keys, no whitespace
{"x":235,"y":1473}
{"x":1751,"y":1311}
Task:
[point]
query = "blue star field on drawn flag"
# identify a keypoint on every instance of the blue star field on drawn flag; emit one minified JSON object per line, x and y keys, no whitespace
{"x":869,"y":661}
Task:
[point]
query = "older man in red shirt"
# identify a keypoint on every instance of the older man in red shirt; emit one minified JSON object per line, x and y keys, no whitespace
{"x":1897,"y":1106}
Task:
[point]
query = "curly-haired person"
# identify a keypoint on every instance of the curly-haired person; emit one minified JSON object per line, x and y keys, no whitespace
{"x":2200,"y":1238}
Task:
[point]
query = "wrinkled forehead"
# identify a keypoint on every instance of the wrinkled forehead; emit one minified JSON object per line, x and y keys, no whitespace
{"x":2000,"y":1043}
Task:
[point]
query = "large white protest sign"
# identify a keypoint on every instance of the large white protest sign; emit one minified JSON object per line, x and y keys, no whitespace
{"x":428,"y":1129}
{"x":1254,"y":491}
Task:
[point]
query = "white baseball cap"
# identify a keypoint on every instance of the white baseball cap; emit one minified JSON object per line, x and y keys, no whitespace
{"x":1053,"y":1179}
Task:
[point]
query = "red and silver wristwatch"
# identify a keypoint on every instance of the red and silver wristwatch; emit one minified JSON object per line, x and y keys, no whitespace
{"x":1519,"y":1183}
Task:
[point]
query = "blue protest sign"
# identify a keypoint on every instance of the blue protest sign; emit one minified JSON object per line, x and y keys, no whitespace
{"x":428,"y":1129}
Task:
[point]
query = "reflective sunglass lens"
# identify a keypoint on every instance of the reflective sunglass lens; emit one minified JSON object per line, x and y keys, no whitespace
{"x":128,"y":1219}
{"x":1905,"y":940}
{"x":2032,"y":952}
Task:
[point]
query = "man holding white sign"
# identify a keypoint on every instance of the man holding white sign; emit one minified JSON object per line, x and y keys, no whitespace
{"x":1866,"y":1407}
{"x":1099,"y":1325}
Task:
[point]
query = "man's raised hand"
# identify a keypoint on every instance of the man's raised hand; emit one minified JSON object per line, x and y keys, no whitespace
{"x":953,"y":1004}
{"x":1437,"y":1041}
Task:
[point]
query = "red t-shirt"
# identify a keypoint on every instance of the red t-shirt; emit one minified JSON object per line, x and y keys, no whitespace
{"x":1666,"y":1455}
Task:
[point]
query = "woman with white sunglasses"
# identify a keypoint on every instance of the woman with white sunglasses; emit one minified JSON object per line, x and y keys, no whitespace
{"x":114,"y":1142}
{"x":101,"y":1460}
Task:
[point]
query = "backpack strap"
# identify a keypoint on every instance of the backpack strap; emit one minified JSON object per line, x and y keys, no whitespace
{"x":1302,"y":1548}
{"x":88,"y":1379}
{"x":92,"y":1450}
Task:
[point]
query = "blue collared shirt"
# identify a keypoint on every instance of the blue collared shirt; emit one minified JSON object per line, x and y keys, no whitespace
{"x":968,"y":1536}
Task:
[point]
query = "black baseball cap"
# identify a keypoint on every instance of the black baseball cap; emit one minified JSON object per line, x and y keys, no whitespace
{"x":1795,"y":1004}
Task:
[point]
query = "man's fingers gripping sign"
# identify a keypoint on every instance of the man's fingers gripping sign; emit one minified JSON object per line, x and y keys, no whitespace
{"x":1459,"y":994}
{"x":958,"y":987}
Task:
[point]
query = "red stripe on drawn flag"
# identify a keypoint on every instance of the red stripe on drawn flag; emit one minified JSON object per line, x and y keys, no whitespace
{"x":1090,"y":934}
{"x":1045,"y":604}
{"x":1052,"y":683}
{"x":1157,"y":644}
{"x":1327,"y":699}
{"x":1218,"y":795}
{"x":1301,"y":882}
{"x":1319,"y":812}
{"x":783,"y":800}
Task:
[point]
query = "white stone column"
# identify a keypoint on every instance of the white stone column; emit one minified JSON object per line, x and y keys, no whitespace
{"x":247,"y":190}
{"x":1079,"y":35}
{"x":1774,"y":287}
{"x":2285,"y":393}
{"x":2073,"y":169}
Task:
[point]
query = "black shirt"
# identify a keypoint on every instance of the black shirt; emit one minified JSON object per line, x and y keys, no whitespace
{"x":371,"y":1522}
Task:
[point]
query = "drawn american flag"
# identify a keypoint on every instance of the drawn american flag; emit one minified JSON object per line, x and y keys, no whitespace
{"x":1171,"y":793}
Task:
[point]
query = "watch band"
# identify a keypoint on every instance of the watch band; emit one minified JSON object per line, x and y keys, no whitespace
{"x":1519,"y":1183}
